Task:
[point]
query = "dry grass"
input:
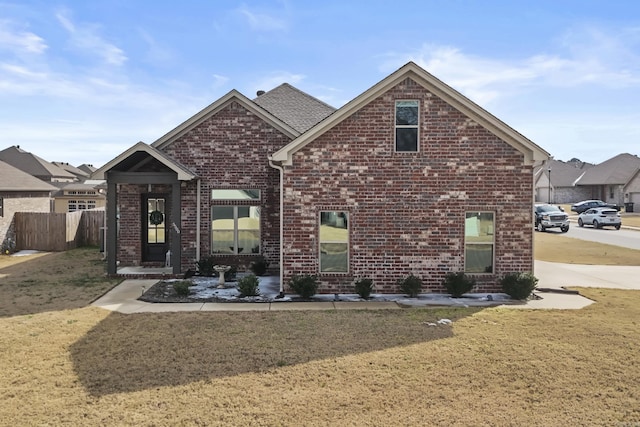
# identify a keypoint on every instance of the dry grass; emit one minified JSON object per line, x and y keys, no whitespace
{"x":51,"y":281}
{"x":555,"y":247}
{"x":632,"y":220}
{"x":491,"y":367}
{"x":86,"y":366}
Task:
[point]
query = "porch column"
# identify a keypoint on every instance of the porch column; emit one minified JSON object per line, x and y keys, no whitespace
{"x":112,"y":227}
{"x":176,"y":236}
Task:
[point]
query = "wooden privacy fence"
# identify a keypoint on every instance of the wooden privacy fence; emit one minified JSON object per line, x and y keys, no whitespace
{"x":50,"y":231}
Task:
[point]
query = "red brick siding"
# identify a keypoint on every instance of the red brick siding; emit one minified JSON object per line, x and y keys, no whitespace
{"x":130,"y":225}
{"x":407,"y":210}
{"x":229,"y":150}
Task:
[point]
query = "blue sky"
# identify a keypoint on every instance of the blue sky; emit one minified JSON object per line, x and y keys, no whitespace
{"x":82,"y":81}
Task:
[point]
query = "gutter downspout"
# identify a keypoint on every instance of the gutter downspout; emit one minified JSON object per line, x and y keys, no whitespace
{"x":281,"y":170}
{"x":198,"y":202}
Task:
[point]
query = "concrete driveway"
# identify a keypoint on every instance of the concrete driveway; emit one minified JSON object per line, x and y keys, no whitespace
{"x":557,"y":275}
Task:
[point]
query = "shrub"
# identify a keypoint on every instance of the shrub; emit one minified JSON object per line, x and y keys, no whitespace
{"x":248,"y":286}
{"x":259,"y":266}
{"x":458,"y":283}
{"x":205,"y":266}
{"x":306,"y":285}
{"x":518,"y":285}
{"x":410,"y":285}
{"x":364,"y":287}
{"x":182,"y":287}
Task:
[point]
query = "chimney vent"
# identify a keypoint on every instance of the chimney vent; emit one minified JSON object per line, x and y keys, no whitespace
{"x":260,"y":92}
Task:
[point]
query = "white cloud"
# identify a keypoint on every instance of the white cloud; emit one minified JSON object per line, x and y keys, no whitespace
{"x":20,"y":41}
{"x":584,"y":56}
{"x":85,"y":38}
{"x":21,"y":80}
{"x":262,"y":21}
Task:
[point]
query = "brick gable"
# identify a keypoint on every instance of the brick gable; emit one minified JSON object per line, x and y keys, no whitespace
{"x":407,"y":209}
{"x":229,"y":150}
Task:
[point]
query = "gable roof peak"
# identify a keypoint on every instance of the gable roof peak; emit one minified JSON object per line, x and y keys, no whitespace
{"x":293,"y":106}
{"x":531,"y":151}
{"x":183,"y":173}
{"x":215,"y":107}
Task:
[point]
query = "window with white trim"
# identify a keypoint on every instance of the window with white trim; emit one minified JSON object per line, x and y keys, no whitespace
{"x":80,"y":205}
{"x":406,"y":126}
{"x":479,"y":242}
{"x":334,"y":242}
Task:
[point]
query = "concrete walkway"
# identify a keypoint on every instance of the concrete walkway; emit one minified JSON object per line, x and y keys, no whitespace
{"x":552,"y":276}
{"x":556,"y":275}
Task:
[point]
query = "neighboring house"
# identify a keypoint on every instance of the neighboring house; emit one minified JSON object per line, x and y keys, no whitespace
{"x":89,"y":169}
{"x":609,"y":180}
{"x":20,"y":192}
{"x":75,"y":190}
{"x":410,"y":177}
{"x":555,"y":181}
{"x":79,"y":196}
{"x":80,"y":174}
{"x":632,"y":193}
{"x":35,"y":166}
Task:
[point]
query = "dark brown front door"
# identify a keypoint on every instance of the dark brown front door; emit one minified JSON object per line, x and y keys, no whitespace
{"x":154,"y":228}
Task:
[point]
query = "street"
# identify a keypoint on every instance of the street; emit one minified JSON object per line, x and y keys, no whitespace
{"x":609,"y":235}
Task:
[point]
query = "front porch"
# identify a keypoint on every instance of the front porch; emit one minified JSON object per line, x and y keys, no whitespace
{"x":144,"y":216}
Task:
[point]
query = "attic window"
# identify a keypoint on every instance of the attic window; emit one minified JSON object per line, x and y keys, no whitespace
{"x":406,"y":126}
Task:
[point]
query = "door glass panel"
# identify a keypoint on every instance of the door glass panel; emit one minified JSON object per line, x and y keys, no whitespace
{"x":155,"y":221}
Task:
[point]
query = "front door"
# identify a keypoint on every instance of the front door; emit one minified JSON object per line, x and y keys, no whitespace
{"x":154,"y":228}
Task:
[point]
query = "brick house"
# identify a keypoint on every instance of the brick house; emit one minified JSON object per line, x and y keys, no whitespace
{"x":408,"y":177}
{"x":19,"y":192}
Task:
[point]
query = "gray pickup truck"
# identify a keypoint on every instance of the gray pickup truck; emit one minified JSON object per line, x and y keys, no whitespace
{"x":550,"y":216}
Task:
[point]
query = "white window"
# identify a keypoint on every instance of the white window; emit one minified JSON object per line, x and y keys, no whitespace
{"x":406,"y":126}
{"x":334,"y":242}
{"x":80,"y":205}
{"x":479,"y":242}
{"x":235,"y":229}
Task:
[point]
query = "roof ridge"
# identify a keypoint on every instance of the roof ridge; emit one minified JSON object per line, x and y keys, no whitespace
{"x":300,"y":91}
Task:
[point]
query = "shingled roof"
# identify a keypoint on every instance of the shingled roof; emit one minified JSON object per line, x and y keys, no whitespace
{"x":617,"y":170}
{"x":13,"y":179}
{"x":33,"y":165}
{"x":563,"y":174}
{"x":299,"y":110}
{"x":81,"y":174}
